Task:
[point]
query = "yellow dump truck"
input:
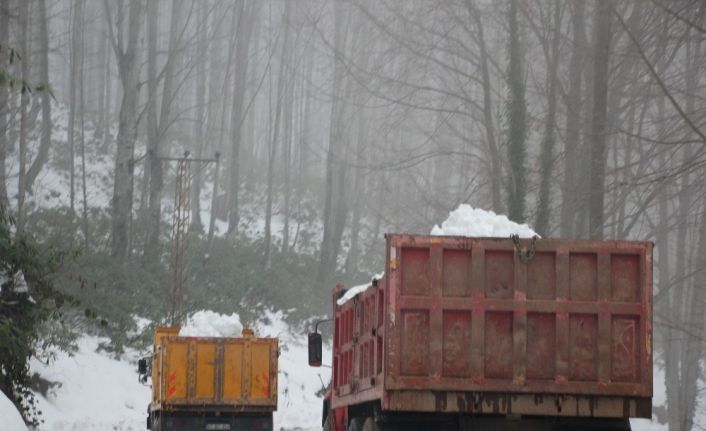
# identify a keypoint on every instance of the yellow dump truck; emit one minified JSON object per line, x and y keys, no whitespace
{"x":208,"y":383}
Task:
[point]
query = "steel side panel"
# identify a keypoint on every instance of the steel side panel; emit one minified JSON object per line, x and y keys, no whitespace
{"x":233,"y":372}
{"x":205,"y":371}
{"x":217,"y":374}
{"x":465,"y":314}
{"x":175,"y":379}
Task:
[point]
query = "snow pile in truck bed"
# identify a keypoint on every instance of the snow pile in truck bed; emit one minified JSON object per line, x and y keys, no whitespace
{"x":206,"y":323}
{"x":10,"y":417}
{"x":353,"y":291}
{"x":468,"y":221}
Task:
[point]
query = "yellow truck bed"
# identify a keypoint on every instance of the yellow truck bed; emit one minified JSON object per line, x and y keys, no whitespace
{"x":213,"y":374}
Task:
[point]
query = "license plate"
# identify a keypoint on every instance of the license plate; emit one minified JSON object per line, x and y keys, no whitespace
{"x":215,"y":427}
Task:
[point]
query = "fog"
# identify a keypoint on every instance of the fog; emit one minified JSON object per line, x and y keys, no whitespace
{"x":307,"y":129}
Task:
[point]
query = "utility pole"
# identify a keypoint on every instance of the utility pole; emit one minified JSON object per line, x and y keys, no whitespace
{"x":179,"y":262}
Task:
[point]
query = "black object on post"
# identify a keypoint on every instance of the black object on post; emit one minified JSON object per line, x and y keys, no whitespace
{"x":315,"y":349}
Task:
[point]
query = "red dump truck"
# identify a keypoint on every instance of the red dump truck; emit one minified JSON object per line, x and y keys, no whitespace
{"x":468,"y":333}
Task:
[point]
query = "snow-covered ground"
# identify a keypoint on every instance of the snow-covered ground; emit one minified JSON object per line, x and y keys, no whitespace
{"x":10,"y":417}
{"x":92,"y":391}
{"x":95,"y":392}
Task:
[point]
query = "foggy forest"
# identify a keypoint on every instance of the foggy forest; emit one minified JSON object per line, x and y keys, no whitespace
{"x":160,"y":157}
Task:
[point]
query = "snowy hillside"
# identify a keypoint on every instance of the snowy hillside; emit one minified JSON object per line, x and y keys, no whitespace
{"x":11,"y":418}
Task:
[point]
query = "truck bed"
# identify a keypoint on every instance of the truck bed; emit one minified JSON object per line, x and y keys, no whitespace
{"x":207,"y":374}
{"x":465,"y":325}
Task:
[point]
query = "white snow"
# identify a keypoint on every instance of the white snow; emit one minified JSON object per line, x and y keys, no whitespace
{"x":206,"y":323}
{"x":659,"y":399}
{"x":93,"y":391}
{"x":298,"y":407}
{"x":11,"y":418}
{"x":353,"y":291}
{"x":468,"y":221}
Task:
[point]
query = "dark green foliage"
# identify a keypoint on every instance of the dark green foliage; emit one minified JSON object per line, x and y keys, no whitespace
{"x":231,"y":279}
{"x":9,"y":57}
{"x":24,"y":315}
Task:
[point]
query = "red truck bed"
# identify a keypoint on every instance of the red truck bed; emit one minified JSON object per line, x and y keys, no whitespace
{"x":465,"y":325}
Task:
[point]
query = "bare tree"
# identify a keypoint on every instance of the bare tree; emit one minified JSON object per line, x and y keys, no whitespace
{"x":45,"y":139}
{"x":161,"y":123}
{"x":601,"y":58}
{"x":244,"y":14}
{"x":24,"y":18}
{"x":126,"y":55}
{"x":517,"y":113}
{"x":547,"y":152}
{"x":574,"y":102}
{"x":4,"y":105}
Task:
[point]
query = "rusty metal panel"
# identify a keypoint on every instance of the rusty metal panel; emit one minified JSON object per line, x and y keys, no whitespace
{"x":458,"y":317}
{"x":469,"y":314}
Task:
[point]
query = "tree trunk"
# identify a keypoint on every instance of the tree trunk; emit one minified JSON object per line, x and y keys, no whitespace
{"x":327,"y":261}
{"x":547,"y":153}
{"x":287,"y":158}
{"x":4,"y":105}
{"x":45,"y":140}
{"x":574,"y":104}
{"x":76,"y":55}
{"x":599,"y":127}
{"x":694,"y":329}
{"x":106,"y":116}
{"x":82,"y":111}
{"x":218,"y":90}
{"x":152,"y":164}
{"x":495,"y":168}
{"x":245,"y":15}
{"x":691,"y":303}
{"x":162,"y":126}
{"x":127,"y":59}
{"x":24,"y":114}
{"x":200,"y":90}
{"x":358,"y":190}
{"x":282,"y":81}
{"x":517,"y":109}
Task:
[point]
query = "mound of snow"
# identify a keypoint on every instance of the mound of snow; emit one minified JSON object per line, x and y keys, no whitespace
{"x":206,"y":323}
{"x":11,"y":418}
{"x":353,"y":291}
{"x":468,"y":221}
{"x":91,"y":391}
